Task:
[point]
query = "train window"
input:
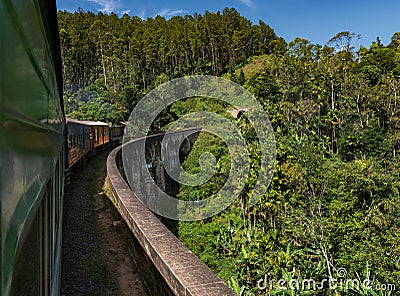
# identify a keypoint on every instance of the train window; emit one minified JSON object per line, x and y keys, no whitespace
{"x":57,"y":194}
{"x":101,"y":135}
{"x":27,"y":271}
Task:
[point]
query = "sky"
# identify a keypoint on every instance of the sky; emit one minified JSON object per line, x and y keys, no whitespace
{"x":314,"y":20}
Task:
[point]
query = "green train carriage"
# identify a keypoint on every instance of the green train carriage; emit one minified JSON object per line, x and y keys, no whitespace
{"x":32,"y":157}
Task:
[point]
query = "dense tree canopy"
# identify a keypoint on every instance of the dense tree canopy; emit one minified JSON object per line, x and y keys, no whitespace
{"x":129,"y":56}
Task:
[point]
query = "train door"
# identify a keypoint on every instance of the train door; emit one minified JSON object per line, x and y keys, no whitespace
{"x":101,"y":136}
{"x":106,"y":135}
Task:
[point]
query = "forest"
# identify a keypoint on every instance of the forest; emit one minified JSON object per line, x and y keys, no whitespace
{"x":332,"y":210}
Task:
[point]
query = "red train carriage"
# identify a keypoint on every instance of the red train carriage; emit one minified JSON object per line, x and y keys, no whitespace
{"x":84,"y":137}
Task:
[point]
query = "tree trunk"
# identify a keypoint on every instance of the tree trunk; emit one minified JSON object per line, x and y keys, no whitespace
{"x":358,"y":111}
{"x":104,"y":66}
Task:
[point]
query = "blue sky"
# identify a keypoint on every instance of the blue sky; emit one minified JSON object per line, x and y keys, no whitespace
{"x":314,"y":20}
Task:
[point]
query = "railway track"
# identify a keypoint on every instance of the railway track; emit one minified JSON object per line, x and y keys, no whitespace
{"x":95,"y":256}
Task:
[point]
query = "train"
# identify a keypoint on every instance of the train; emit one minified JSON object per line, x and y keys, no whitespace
{"x":85,"y":137}
{"x":37,"y":146}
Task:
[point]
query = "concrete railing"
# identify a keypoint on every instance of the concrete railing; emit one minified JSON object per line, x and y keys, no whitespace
{"x":178,"y":267}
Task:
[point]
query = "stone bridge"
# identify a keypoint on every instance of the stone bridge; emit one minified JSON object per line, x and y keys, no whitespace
{"x":168,"y":267}
{"x":146,"y":164}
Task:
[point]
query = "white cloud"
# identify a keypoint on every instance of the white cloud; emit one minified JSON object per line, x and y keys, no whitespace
{"x":168,"y":12}
{"x":126,"y":12}
{"x":247,"y":3}
{"x":142,"y":14}
{"x":107,"y":6}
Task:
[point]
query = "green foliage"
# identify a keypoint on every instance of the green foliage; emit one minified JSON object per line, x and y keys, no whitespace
{"x":333,"y":201}
{"x":87,"y":105}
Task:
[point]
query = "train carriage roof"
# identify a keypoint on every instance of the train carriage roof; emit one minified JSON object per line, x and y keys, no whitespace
{"x":87,"y":122}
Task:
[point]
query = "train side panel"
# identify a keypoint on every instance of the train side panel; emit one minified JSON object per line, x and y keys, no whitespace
{"x":116,"y":134}
{"x":106,"y":137}
{"x":31,"y":148}
{"x":78,"y":141}
{"x":99,"y":134}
